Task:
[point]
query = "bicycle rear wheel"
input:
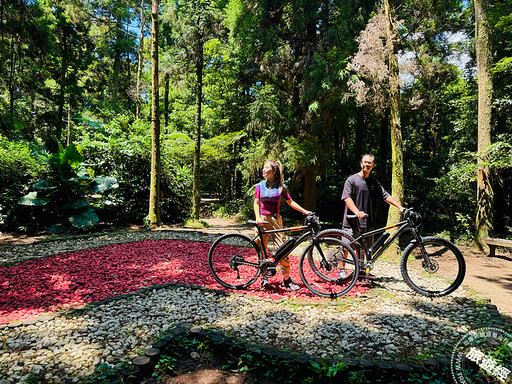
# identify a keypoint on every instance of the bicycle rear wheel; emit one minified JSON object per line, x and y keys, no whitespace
{"x":329,"y":267}
{"x":442,"y":276}
{"x":234,"y":261}
{"x":346,"y":239}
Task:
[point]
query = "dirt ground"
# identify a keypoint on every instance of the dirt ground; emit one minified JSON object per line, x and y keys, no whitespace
{"x":491,"y":277}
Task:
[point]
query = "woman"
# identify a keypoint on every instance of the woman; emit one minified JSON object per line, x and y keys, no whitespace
{"x":266,"y":208}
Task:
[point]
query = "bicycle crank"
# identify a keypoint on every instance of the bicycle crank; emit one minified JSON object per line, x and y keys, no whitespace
{"x":268,"y":268}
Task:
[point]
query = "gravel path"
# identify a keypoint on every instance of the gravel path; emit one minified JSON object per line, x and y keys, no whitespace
{"x":390,"y":322}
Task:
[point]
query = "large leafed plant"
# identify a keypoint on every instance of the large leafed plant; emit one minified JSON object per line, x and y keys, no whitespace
{"x":69,"y":189}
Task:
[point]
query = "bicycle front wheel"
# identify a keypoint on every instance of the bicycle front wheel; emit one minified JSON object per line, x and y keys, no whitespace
{"x":329,"y":267}
{"x":347,"y":239}
{"x":234,"y":261}
{"x":434,"y":267}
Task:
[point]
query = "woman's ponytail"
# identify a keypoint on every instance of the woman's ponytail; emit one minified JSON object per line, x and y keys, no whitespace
{"x":278,"y":172}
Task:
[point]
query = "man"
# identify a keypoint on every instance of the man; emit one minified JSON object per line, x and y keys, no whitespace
{"x":360,"y":193}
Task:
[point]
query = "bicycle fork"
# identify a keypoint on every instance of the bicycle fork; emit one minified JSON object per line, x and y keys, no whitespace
{"x":323,"y":261}
{"x":427,"y":264}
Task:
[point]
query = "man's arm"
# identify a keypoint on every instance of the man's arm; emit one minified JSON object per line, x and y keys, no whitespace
{"x":391,"y":201}
{"x":352,"y":206}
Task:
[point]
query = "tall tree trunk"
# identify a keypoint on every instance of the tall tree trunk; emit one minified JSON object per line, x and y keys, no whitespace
{"x":68,"y":141}
{"x":397,"y":157}
{"x":359,"y":132}
{"x":196,"y":188}
{"x":140,"y":61}
{"x":382,"y":170}
{"x":2,"y":21}
{"x":12,"y":78}
{"x":117,"y":68}
{"x":62,"y":93}
{"x":485,"y":194}
{"x":310,"y":174}
{"x":382,"y":209}
{"x":166,"y":99}
{"x":154,"y":190}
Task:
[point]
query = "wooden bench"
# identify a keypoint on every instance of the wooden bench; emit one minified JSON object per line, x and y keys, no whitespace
{"x":493,"y":243}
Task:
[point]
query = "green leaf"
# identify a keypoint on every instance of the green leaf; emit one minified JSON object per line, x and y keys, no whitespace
{"x":64,"y":161}
{"x":45,"y":184}
{"x":58,"y":228}
{"x":86,"y":219}
{"x":78,"y":178}
{"x":77,"y":204}
{"x":314,"y":107}
{"x":104,"y":183}
{"x":32,"y":199}
{"x":73,"y":156}
{"x":81,"y":171}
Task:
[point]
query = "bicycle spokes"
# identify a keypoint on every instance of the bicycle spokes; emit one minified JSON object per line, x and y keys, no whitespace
{"x":329,"y":267}
{"x":433,"y":267}
{"x":234,"y":260}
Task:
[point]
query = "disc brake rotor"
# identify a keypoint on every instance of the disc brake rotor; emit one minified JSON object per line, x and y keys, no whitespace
{"x":431,"y":269}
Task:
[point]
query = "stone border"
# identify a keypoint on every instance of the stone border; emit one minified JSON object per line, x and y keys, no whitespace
{"x":217,"y":337}
{"x":143,"y":366}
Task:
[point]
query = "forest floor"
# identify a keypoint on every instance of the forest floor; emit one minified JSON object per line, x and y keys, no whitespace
{"x":489,"y":277}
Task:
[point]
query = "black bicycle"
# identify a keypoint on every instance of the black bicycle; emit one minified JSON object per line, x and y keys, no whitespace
{"x":236,"y":260}
{"x":431,"y":266}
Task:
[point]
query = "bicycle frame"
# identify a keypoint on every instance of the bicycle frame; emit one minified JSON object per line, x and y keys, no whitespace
{"x":370,"y":257}
{"x":301,"y":239}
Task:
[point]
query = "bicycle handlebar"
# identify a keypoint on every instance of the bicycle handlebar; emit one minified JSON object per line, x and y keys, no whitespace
{"x":312,"y":221}
{"x":413,"y":218}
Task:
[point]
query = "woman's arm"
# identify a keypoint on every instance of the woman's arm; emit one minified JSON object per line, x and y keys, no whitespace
{"x":297,"y":207}
{"x":256,"y":207}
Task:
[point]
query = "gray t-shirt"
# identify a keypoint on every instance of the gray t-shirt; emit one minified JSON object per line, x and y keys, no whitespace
{"x":364,"y":192}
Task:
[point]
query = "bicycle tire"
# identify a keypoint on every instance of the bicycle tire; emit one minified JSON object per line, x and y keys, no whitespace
{"x":226,"y":260}
{"x":340,"y":258}
{"x":447,"y":272}
{"x":346,"y":238}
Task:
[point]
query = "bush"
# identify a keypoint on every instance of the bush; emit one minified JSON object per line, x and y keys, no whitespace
{"x":122,"y":149}
{"x":18,"y":170}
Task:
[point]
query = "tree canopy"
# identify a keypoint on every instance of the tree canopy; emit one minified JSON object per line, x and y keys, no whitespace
{"x":308,"y":82}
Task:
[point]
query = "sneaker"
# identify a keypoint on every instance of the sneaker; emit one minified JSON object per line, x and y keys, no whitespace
{"x":290,"y":284}
{"x":264,"y":282}
{"x":342,"y":274}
